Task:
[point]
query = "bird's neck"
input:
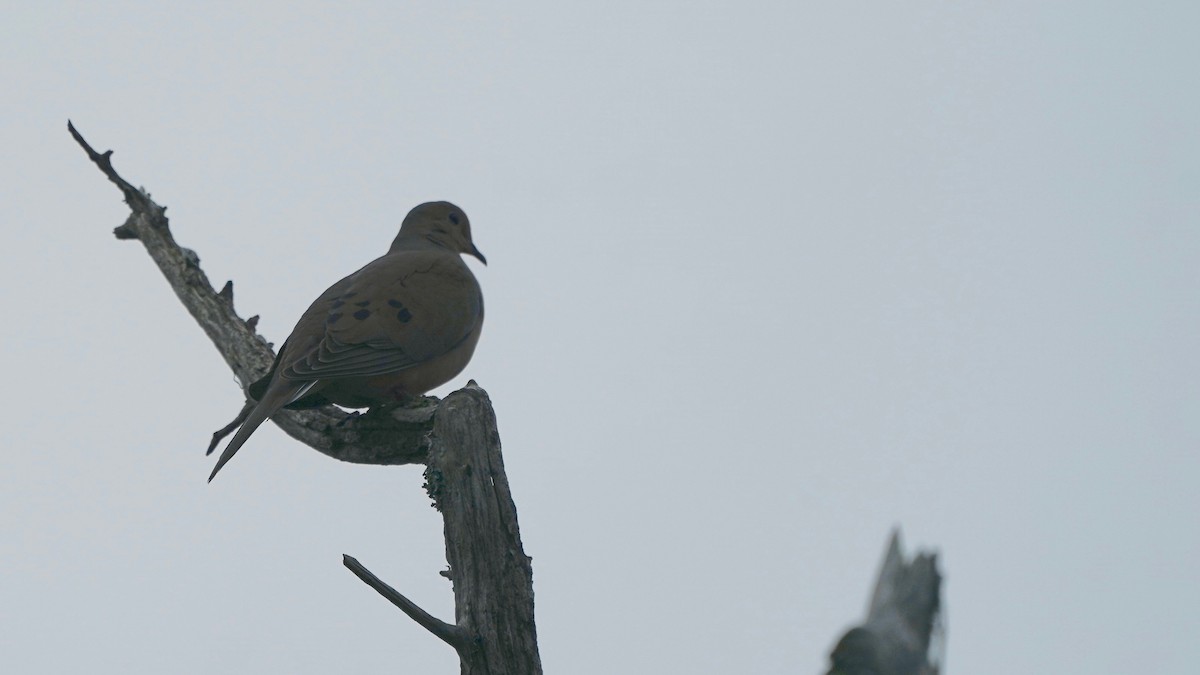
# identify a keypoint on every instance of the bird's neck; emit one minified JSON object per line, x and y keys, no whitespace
{"x":419,"y":241}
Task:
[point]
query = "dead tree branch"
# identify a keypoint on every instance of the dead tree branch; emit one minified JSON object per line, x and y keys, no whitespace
{"x":448,"y":633}
{"x":398,"y":437}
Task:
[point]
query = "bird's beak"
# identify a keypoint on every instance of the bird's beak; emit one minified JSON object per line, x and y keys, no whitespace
{"x":475,"y":252}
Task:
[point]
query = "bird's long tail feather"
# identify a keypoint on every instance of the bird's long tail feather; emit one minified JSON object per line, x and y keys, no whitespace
{"x":270,"y":404}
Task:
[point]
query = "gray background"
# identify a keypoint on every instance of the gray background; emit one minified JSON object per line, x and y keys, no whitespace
{"x":765,"y":282}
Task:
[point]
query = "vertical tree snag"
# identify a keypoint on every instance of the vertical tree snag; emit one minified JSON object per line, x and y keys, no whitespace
{"x":494,"y":631}
{"x":493,"y":578}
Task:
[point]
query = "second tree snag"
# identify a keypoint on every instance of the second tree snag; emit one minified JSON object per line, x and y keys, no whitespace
{"x":900,"y":633}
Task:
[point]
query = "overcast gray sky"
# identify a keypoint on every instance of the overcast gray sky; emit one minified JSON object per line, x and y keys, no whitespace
{"x":765,"y":281}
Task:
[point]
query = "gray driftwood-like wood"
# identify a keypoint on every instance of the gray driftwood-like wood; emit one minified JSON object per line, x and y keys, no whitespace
{"x":902,"y":622}
{"x":494,"y":632}
{"x":493,"y":578}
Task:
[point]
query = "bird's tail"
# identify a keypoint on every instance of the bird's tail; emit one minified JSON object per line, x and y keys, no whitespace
{"x":270,"y":404}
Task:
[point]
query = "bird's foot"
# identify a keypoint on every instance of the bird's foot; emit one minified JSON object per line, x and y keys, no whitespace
{"x":353,"y":415}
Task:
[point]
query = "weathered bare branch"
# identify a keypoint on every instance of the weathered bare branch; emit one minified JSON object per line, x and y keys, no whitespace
{"x":383,"y":437}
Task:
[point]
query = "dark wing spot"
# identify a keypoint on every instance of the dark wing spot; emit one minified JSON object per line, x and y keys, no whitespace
{"x":351,"y":294}
{"x":404,"y":315}
{"x":454,"y":218}
{"x":364,"y":303}
{"x":336,"y":304}
{"x":395,"y":303}
{"x":362,"y":314}
{"x":333,"y":318}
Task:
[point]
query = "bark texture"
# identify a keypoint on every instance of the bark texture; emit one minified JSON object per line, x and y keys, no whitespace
{"x":493,"y":578}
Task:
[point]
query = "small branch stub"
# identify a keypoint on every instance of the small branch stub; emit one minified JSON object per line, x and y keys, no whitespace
{"x":448,"y":633}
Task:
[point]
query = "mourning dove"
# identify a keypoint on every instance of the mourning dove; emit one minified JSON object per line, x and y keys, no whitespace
{"x":404,"y":324}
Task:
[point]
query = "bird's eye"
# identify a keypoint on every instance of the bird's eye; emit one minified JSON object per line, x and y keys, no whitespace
{"x":454,"y":218}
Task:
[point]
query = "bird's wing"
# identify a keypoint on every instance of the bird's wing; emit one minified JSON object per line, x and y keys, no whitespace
{"x":397,"y":312}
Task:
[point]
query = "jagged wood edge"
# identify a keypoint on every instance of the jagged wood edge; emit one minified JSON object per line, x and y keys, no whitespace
{"x":380,"y":437}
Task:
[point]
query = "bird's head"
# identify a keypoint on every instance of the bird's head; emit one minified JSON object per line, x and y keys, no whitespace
{"x":443,"y":224}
